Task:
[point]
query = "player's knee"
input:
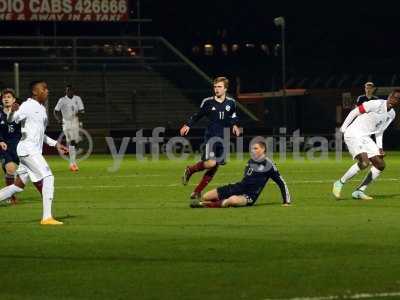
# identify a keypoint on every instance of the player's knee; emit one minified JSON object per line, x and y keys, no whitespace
{"x":210,"y":164}
{"x":19,"y":184}
{"x":227,"y":203}
{"x":10,"y":169}
{"x":49,"y":180}
{"x":363,"y":164}
{"x":206,"y":197}
{"x":10,"y":173}
{"x":380,"y":165}
{"x":233,"y":201}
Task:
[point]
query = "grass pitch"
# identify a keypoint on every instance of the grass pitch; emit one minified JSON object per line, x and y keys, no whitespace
{"x":131,"y":235}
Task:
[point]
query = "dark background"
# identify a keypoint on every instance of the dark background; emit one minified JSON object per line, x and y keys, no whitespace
{"x":324,"y":40}
{"x":320,"y":37}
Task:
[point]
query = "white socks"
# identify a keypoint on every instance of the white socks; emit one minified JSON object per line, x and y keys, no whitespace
{"x":354,"y":169}
{"x":8,"y":191}
{"x":72,"y":154}
{"x":48,"y":194}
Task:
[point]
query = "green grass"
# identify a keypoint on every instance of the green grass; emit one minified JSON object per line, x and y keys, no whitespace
{"x":131,"y":235}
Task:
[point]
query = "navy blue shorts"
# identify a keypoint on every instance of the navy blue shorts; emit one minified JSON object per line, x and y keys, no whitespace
{"x":236,"y":189}
{"x":10,"y":155}
{"x":214,"y":151}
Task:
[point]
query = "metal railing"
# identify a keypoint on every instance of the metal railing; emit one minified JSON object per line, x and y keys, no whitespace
{"x":111,"y":61}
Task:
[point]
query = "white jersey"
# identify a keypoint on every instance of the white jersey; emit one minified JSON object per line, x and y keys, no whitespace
{"x":374,"y":119}
{"x":69,"y":108}
{"x":33,"y":118}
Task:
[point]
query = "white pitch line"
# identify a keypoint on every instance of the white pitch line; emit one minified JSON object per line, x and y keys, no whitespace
{"x":115,"y":186}
{"x":355,"y":296}
{"x":159,"y":185}
{"x":192,"y":184}
{"x":168,"y":176}
{"x":111,"y":176}
{"x":333,"y":180}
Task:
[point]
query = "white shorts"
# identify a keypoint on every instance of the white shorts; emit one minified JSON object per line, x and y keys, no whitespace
{"x":35,"y":165}
{"x":357,"y":145}
{"x":71,"y":131}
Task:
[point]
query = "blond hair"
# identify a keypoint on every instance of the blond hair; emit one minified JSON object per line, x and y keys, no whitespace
{"x":222,"y":79}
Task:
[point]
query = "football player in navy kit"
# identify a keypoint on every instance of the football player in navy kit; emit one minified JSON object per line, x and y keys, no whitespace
{"x":370,"y":89}
{"x":258,"y":171}
{"x":10,"y":134}
{"x":221,"y":113}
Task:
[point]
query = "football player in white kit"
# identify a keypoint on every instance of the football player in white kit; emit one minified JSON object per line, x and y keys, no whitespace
{"x":370,"y":118}
{"x":70,"y":106}
{"x":33,"y":119}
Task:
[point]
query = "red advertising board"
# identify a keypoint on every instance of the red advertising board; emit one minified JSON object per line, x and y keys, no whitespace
{"x":64,"y":10}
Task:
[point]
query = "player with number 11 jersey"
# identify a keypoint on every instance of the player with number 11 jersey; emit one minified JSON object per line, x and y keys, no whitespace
{"x":221,"y":113}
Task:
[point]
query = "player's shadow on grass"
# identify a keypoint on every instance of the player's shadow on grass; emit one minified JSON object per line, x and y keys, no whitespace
{"x":268,"y":204}
{"x":59,"y":218}
{"x":386,"y":196}
{"x":67,"y":217}
{"x":375,"y":197}
{"x":28,"y":200}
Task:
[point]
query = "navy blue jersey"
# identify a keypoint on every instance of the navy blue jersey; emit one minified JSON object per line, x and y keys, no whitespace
{"x":257,"y":174}
{"x":220,"y":116}
{"x":363,"y":98}
{"x":10,"y":133}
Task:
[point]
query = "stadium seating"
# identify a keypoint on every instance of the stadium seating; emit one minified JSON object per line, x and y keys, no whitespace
{"x":118,"y":99}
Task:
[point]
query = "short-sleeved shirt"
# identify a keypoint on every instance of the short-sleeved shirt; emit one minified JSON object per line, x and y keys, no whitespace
{"x":69,"y":107}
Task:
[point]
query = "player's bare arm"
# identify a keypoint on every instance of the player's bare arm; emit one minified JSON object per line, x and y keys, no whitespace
{"x":61,"y":148}
{"x":236,"y":130}
{"x":57,"y":115}
{"x":3,"y":146}
{"x":184,"y":130}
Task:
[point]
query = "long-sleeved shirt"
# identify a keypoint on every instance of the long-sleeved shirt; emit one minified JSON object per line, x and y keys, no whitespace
{"x":256,"y":176}
{"x":371,"y":117}
{"x":363,"y":98}
{"x":33,"y":119}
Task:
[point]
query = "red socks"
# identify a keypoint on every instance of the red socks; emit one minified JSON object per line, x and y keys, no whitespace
{"x":208,"y":176}
{"x":9,"y":180}
{"x":197,"y":167}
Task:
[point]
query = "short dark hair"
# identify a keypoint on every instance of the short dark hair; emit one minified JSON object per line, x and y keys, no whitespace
{"x":262,"y":144}
{"x":395,"y":91}
{"x":369,"y":83}
{"x":69,"y":86}
{"x":8,"y":91}
{"x":33,"y":84}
